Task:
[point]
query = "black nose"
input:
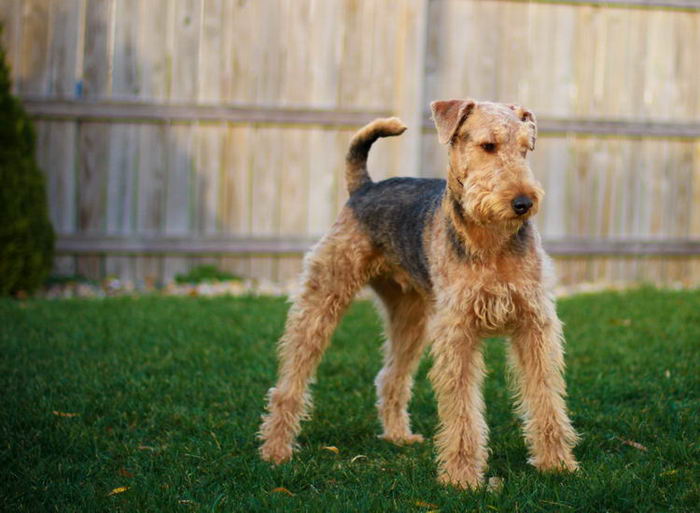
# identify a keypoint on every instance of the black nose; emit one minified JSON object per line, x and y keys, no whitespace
{"x":521,"y":205}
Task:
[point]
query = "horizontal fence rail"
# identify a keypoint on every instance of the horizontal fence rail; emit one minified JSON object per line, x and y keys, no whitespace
{"x":97,"y":245}
{"x":150,"y":112}
{"x":685,"y":5}
{"x":160,"y":112}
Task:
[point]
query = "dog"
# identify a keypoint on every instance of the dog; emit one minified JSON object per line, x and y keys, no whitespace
{"x":451,"y":261}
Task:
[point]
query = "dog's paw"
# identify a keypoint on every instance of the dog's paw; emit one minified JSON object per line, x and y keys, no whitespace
{"x":275,"y":453}
{"x":464,"y":480}
{"x":403,"y":439}
{"x":566,"y":464}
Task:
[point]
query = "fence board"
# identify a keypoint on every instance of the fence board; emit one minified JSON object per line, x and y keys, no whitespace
{"x":151,"y":187}
{"x":265,"y":213}
{"x":321,"y":182}
{"x":63,"y":48}
{"x":209,"y":152}
{"x":294,"y":199}
{"x":92,"y":151}
{"x":96,"y":80}
{"x":183,"y":34}
{"x":325,"y":40}
{"x":123,"y":201}
{"x":237,"y":198}
{"x":35,"y":36}
{"x":122,"y":176}
{"x":125,"y":64}
{"x":153,"y":59}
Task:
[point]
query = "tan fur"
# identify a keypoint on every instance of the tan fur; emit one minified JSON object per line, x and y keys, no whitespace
{"x":494,"y":290}
{"x":356,"y":161}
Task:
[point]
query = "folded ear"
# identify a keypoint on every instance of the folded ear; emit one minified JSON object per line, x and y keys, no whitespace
{"x":530,"y":120}
{"x":449,"y":115}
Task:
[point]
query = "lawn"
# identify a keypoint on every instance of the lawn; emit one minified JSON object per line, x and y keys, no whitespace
{"x":152,"y":404}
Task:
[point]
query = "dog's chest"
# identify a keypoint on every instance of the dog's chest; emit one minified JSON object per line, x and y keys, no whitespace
{"x":495,"y":298}
{"x":492,"y":308}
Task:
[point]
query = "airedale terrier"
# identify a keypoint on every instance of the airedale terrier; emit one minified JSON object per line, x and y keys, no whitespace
{"x":452,"y":261}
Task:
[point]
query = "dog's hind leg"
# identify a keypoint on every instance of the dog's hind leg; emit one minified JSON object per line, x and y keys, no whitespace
{"x":405,"y":319}
{"x":334,"y":271}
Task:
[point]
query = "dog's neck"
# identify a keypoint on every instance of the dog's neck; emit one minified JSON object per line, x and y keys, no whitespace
{"x":477,"y":240}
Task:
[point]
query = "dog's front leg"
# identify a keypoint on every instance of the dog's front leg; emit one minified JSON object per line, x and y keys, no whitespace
{"x":538,"y":357}
{"x":457,"y":375}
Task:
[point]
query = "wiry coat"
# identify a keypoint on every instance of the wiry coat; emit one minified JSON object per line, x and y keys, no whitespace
{"x":452,"y":261}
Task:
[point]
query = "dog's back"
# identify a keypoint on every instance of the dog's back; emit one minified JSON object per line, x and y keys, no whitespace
{"x":395,"y":213}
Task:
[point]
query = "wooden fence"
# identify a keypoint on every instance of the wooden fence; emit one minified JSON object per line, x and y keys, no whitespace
{"x":175,"y":132}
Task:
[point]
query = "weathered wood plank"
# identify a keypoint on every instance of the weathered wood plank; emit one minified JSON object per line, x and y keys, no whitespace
{"x":325,"y":44}
{"x":183,"y":33}
{"x":183,"y":37}
{"x":59,"y":163}
{"x":208,"y":156}
{"x":91,"y":189}
{"x":150,"y":204}
{"x":294,"y":201}
{"x":321,"y":182}
{"x":265,"y":194}
{"x":63,"y":48}
{"x":93,"y":138}
{"x":152,"y":47}
{"x":237,"y":200}
{"x":409,"y":85}
{"x":210,"y":45}
{"x":125,"y":146}
{"x":33,"y":66}
{"x":93,"y":151}
{"x":122,"y":194}
{"x":96,"y":83}
{"x":125,"y":69}
{"x":178,"y":195}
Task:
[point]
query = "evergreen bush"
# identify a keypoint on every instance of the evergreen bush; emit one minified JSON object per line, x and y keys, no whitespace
{"x":26,"y":234}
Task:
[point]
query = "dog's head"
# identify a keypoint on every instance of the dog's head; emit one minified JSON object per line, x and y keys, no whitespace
{"x":487,"y":144}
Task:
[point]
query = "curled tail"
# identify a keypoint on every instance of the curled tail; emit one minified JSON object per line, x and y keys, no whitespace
{"x":356,"y":174}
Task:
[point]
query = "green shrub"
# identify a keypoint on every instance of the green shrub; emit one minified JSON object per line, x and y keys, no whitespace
{"x":26,"y":235}
{"x":205,"y":273}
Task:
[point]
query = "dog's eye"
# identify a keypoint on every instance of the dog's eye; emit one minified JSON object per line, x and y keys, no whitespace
{"x":488,"y":147}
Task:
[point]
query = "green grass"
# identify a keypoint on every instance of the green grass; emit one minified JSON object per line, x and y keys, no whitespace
{"x":169,"y":391}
